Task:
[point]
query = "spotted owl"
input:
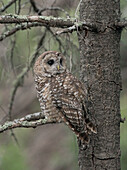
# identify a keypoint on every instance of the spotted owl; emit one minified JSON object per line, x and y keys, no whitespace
{"x":61,"y":95}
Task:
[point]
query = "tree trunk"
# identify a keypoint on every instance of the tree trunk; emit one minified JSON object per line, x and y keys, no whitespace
{"x":100,"y":71}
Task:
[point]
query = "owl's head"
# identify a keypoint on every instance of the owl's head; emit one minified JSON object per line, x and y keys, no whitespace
{"x":50,"y":63}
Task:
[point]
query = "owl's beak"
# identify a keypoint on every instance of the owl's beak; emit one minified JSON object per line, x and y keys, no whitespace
{"x":58,"y":67}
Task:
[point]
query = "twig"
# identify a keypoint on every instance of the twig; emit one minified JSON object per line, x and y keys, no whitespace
{"x":121,"y":24}
{"x":7,"y":6}
{"x":14,"y":137}
{"x":39,"y":11}
{"x":13,"y":42}
{"x":53,"y":8}
{"x":19,"y":81}
{"x":77,"y":9}
{"x":29,"y":121}
{"x":57,"y":39}
{"x":67,"y":30}
{"x":34,"y":6}
{"x":122,"y":120}
{"x":23,"y":26}
{"x":19,"y":7}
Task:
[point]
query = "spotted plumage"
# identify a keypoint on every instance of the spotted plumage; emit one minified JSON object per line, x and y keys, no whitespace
{"x":61,"y":95}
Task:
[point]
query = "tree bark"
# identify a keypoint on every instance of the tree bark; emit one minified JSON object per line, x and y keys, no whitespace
{"x":100,"y":72}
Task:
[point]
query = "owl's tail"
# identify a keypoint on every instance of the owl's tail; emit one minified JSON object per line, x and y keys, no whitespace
{"x":83,"y":136}
{"x":90,"y":126}
{"x":83,"y":140}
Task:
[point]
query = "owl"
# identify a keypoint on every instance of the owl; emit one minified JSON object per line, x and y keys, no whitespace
{"x":62,"y":96}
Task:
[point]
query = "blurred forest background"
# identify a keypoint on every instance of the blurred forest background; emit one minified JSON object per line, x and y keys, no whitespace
{"x":50,"y":147}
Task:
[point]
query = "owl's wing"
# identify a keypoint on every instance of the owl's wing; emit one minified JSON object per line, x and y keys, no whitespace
{"x":71,"y":103}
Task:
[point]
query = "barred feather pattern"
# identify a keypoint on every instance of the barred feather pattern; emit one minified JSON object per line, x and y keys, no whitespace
{"x":62,"y":96}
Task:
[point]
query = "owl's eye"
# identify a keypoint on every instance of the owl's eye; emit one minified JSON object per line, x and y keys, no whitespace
{"x":61,"y":61}
{"x":51,"y":62}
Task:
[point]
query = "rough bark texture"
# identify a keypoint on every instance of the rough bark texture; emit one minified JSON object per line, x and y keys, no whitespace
{"x":100,"y":71}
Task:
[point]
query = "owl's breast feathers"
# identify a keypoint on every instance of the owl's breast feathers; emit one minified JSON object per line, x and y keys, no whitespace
{"x":69,"y":96}
{"x":63,"y":97}
{"x":43,"y":87}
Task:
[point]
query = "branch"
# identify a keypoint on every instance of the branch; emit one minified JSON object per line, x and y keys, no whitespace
{"x":122,"y":120}
{"x":23,"y":26}
{"x":67,"y":30}
{"x":69,"y":24}
{"x":20,"y":78}
{"x":29,"y":121}
{"x":47,"y":21}
{"x":121,"y":24}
